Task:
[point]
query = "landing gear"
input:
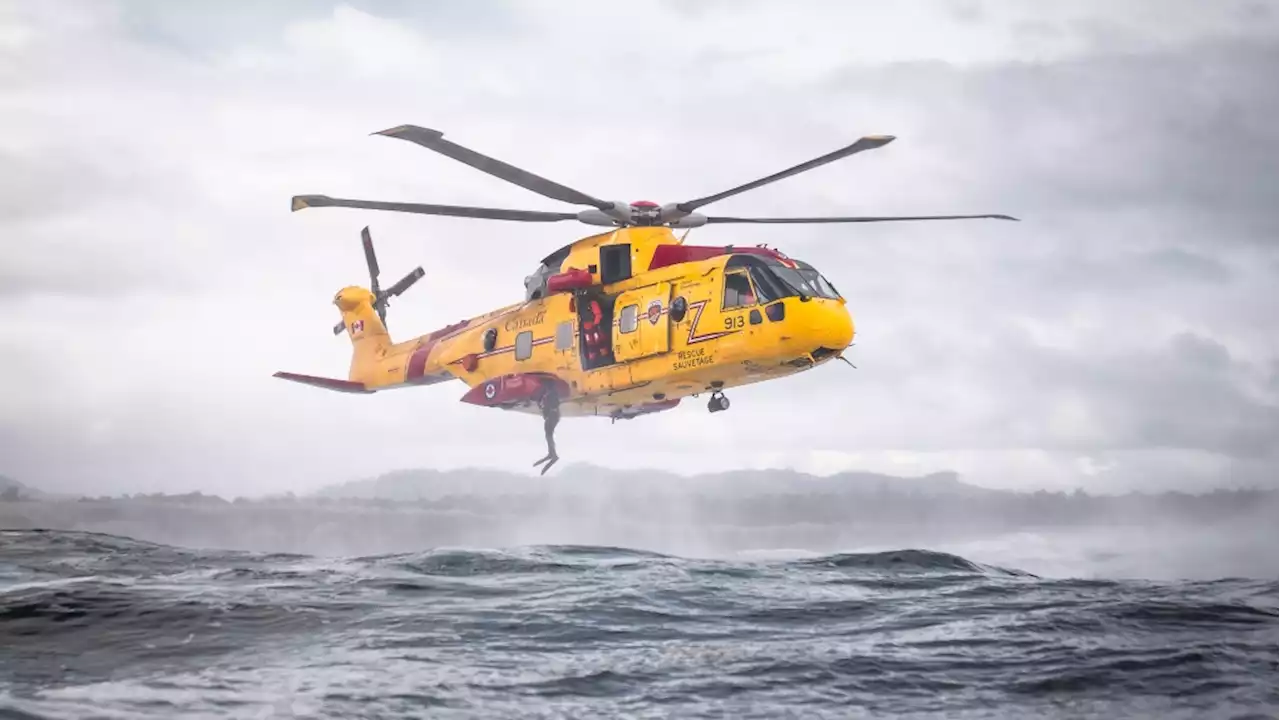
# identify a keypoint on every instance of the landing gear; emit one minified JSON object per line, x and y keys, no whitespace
{"x":717,"y":402}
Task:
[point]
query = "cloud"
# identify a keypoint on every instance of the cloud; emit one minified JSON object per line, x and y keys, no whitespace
{"x":154,"y":277}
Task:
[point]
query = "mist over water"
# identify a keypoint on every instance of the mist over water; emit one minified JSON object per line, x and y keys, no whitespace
{"x":744,"y":514}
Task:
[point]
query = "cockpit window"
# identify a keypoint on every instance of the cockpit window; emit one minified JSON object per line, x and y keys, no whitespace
{"x":815,"y":278}
{"x":823,"y":284}
{"x":767,"y":286}
{"x":807,"y":281}
{"x":737,"y":290}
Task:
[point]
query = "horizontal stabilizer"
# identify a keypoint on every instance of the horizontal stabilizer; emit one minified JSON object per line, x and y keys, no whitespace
{"x":345,"y":386}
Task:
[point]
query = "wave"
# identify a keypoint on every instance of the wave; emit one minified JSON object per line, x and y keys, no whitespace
{"x":910,"y":561}
{"x":460,"y":561}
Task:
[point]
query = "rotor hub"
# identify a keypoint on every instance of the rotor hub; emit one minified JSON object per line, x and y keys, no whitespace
{"x":645,"y":213}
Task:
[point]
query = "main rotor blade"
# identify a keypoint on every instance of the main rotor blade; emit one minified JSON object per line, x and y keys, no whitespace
{"x":434,"y":140}
{"x":869,"y":142}
{"x":889,"y":218}
{"x":371,"y":259}
{"x":306,"y":201}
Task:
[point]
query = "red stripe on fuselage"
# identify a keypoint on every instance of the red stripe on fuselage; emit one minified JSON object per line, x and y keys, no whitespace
{"x":506,"y":349}
{"x":697,"y":308}
{"x":414,"y":372}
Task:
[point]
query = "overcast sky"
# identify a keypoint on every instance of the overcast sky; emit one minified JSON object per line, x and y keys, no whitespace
{"x":1123,"y":336}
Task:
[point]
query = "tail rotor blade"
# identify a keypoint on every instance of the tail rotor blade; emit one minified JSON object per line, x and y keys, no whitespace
{"x":406,"y":282}
{"x":371,"y":258}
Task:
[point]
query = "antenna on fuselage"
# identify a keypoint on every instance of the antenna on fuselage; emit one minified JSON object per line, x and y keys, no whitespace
{"x":845,"y":359}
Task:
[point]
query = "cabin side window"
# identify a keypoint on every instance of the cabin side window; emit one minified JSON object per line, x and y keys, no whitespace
{"x":564,"y":335}
{"x":524,"y":345}
{"x":627,"y":320}
{"x":737,"y":290}
{"x":768,"y":288}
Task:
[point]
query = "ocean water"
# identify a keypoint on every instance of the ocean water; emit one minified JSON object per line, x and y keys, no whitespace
{"x":98,"y":626}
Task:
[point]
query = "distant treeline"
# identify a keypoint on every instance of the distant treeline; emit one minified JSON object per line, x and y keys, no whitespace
{"x":739,"y":497}
{"x":411,"y":510}
{"x":1040,"y":508}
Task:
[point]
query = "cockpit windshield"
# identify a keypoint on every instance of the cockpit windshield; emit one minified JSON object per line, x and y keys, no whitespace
{"x":806,"y":280}
{"x":775,"y":280}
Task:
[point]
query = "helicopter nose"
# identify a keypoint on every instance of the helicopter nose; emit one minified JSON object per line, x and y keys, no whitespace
{"x":833,"y":328}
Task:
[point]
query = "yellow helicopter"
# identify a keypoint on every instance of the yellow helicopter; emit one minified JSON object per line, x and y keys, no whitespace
{"x":619,"y":324}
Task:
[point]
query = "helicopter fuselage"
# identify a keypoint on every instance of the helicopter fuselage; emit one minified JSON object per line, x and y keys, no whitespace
{"x":619,"y":342}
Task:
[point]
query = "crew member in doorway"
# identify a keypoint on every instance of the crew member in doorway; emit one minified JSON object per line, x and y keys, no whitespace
{"x":594,"y":338}
{"x":549,"y":404}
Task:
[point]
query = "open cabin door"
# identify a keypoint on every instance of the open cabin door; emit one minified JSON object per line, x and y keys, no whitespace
{"x":644,"y":325}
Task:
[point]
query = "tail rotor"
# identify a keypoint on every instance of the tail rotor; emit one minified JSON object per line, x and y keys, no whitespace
{"x":381,"y":297}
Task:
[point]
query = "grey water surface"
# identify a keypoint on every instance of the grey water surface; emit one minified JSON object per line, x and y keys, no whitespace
{"x":101,"y":626}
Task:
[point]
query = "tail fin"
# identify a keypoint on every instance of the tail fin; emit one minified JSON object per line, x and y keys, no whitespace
{"x":363,"y":317}
{"x":369,"y":336}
